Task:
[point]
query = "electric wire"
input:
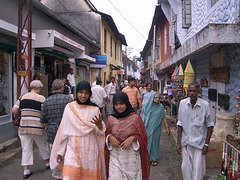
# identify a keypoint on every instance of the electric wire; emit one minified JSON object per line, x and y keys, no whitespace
{"x":102,"y":46}
{"x":127,"y":20}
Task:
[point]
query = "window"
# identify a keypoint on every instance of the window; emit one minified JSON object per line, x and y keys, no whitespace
{"x":105,"y":40}
{"x":213,"y":2}
{"x":165,"y":40}
{"x":111,"y":47}
{"x":5,"y":87}
{"x":186,"y":14}
{"x":115,"y":51}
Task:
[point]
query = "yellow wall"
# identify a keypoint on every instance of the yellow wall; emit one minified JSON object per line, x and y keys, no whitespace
{"x":110,"y":59}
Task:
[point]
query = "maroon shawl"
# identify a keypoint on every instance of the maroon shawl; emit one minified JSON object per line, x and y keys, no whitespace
{"x":122,"y":128}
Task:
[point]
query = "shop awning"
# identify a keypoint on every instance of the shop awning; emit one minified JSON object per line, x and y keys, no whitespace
{"x":79,"y":62}
{"x":120,"y":67}
{"x":113,"y":67}
{"x":12,"y":30}
{"x":51,"y":39}
{"x":53,"y":52}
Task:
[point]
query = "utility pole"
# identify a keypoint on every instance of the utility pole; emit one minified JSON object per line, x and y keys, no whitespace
{"x":24,"y":52}
{"x":153,"y":54}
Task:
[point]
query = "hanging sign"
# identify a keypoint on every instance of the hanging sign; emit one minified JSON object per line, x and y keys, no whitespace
{"x":22,"y":73}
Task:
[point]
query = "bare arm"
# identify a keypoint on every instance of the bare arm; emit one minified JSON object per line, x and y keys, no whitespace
{"x":140,"y":103}
{"x":76,"y":76}
{"x":166,"y":125}
{"x":179,"y":147}
{"x":15,"y":110}
{"x":205,"y":147}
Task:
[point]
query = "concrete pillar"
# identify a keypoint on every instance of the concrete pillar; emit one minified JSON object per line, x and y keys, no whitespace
{"x":225,"y":124}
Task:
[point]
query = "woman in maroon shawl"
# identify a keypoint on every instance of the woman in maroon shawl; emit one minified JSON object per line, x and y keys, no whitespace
{"x":126,"y":142}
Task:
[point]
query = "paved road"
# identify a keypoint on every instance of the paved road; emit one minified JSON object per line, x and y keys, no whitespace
{"x":169,"y":164}
{"x":168,"y":167}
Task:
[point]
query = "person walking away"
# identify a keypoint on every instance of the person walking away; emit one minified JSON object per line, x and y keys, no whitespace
{"x":30,"y":128}
{"x":112,"y":89}
{"x":106,"y":89}
{"x":152,"y":115}
{"x":51,"y":115}
{"x":127,"y":157}
{"x":133,"y":94}
{"x":71,"y":80}
{"x":98,"y":78}
{"x":66,"y":89}
{"x":147,"y":93}
{"x":194,"y":133}
{"x":99,"y":95}
{"x":80,"y":140}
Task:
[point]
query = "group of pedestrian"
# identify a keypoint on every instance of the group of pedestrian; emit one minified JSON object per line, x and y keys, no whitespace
{"x":79,"y":145}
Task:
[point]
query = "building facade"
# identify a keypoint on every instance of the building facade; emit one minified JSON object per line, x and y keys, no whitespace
{"x":206,"y":33}
{"x":56,"y":45}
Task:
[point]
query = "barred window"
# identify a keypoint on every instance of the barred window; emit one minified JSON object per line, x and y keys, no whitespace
{"x":213,"y":2}
{"x":105,"y":40}
{"x":186,"y":14}
{"x":111,"y":47}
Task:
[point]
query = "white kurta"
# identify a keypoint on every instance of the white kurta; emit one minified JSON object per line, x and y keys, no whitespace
{"x":124,"y":164}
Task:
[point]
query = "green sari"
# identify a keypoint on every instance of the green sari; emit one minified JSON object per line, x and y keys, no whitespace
{"x":152,"y":115}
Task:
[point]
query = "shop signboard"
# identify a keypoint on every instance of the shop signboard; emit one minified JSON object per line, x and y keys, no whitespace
{"x":101,"y":61}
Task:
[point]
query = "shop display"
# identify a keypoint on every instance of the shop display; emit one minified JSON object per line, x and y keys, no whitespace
{"x":230,"y":161}
{"x":188,"y":76}
{"x":178,"y":78}
{"x":237,"y":114}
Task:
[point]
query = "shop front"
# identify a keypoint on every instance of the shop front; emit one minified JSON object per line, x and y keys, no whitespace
{"x":96,"y":68}
{"x":8,"y":49}
{"x":55,"y":54}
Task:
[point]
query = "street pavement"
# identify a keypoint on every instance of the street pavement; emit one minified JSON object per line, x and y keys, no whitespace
{"x":168,"y":168}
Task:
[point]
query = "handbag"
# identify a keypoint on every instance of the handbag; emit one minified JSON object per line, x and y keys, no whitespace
{"x":17,"y":119}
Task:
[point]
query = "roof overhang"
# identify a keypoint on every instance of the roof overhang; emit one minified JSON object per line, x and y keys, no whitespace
{"x":12,"y":30}
{"x":57,"y":41}
{"x":113,"y":67}
{"x":113,"y":27}
{"x":157,"y":19}
{"x":212,"y":34}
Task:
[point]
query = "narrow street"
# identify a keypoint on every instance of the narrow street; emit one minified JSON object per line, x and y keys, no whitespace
{"x":168,"y":167}
{"x":169,"y":163}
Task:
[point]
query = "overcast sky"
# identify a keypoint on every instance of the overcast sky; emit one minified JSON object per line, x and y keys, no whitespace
{"x":133,"y":19}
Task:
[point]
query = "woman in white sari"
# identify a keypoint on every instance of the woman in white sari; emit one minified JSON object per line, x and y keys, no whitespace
{"x":79,"y":144}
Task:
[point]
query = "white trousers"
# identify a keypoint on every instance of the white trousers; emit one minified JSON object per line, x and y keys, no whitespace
{"x":27,"y":147}
{"x":193,"y":163}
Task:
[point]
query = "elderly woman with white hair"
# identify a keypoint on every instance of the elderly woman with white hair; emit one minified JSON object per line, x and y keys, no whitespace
{"x":30,"y":128}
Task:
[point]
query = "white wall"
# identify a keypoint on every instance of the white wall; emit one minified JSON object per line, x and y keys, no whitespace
{"x":223,"y":12}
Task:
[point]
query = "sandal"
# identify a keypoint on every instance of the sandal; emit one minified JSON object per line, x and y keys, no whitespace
{"x":154,"y":163}
{"x":27,"y":175}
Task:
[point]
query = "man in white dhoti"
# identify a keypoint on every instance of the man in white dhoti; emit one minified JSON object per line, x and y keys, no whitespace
{"x":194,"y":133}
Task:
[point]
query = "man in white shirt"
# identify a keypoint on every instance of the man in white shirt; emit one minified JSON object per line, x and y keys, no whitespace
{"x":71,"y":80}
{"x":112,"y":89}
{"x":99,"y":95}
{"x":95,"y":82}
{"x":194,"y":133}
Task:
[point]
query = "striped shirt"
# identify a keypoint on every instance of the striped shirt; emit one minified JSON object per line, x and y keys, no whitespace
{"x":30,"y":107}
